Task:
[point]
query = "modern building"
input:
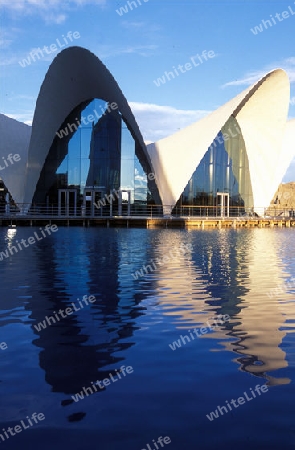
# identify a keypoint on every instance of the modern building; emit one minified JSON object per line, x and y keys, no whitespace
{"x":237,"y":155}
{"x":85,"y":149}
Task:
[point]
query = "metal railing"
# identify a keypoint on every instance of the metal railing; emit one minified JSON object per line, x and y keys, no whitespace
{"x":139,"y":210}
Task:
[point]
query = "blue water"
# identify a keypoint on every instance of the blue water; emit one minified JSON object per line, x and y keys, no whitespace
{"x":169,"y":393}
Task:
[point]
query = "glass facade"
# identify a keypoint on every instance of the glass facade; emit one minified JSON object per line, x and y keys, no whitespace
{"x":5,"y":197}
{"x":224,"y":170}
{"x":95,"y":150}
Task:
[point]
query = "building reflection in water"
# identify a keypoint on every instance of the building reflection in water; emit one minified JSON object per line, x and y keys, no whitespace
{"x":89,"y":344}
{"x":230,"y":272}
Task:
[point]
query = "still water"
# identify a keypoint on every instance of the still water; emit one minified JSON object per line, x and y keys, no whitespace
{"x":125,"y":337}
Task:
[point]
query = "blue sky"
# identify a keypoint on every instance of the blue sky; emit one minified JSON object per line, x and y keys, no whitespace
{"x":142,"y":43}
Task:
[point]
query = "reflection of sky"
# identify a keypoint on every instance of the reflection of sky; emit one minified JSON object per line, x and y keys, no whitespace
{"x":127,"y":159}
{"x":77,"y":163}
{"x":140,"y":182}
{"x":221,"y":170}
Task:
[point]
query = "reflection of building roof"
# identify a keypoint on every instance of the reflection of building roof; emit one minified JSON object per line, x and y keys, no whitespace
{"x":105,"y":164}
{"x":257,"y":324}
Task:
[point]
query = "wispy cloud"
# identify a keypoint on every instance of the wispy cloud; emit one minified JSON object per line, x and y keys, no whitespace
{"x":157,"y":122}
{"x":23,"y":5}
{"x":289,"y":66}
{"x":109,"y":51}
{"x":251,"y":77}
{"x":151,"y":32}
{"x":20,"y":97}
{"x":25,"y":117}
{"x":7,"y":36}
{"x":8,"y":61}
{"x":14,"y":60}
{"x":247,"y":80}
{"x":52,"y":11}
{"x":134,"y":25}
{"x":4,"y":42}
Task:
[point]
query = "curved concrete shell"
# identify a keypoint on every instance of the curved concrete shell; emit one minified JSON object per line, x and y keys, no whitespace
{"x":15,"y":138}
{"x":75,"y":77}
{"x":261,"y":112}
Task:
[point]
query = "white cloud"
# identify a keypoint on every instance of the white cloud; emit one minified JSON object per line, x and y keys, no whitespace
{"x":25,"y":117}
{"x":8,"y":61}
{"x":5,"y":43}
{"x":14,"y":97}
{"x":23,"y":5}
{"x":52,"y":11}
{"x":134,"y":25}
{"x":15,"y":59}
{"x":55,"y":18}
{"x":247,"y":80}
{"x":251,"y":77}
{"x":154,"y":121}
{"x":290,"y":174}
{"x":157,"y":122}
{"x":108,"y":51}
{"x":7,"y":36}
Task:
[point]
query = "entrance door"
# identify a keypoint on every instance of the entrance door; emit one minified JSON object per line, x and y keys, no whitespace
{"x":67,"y":202}
{"x":124,"y":202}
{"x":94,"y":202}
{"x":222,"y":199}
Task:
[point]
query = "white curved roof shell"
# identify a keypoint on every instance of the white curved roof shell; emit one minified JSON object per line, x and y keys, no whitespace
{"x":14,"y":138}
{"x":261,"y":111}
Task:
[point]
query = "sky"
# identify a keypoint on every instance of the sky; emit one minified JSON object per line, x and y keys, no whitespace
{"x":139,"y":41}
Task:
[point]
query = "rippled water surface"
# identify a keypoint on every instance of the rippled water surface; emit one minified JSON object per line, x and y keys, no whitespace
{"x":153,"y":288}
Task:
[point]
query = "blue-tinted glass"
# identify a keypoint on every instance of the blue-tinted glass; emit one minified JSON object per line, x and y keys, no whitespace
{"x":97,"y":151}
{"x":224,"y":168}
